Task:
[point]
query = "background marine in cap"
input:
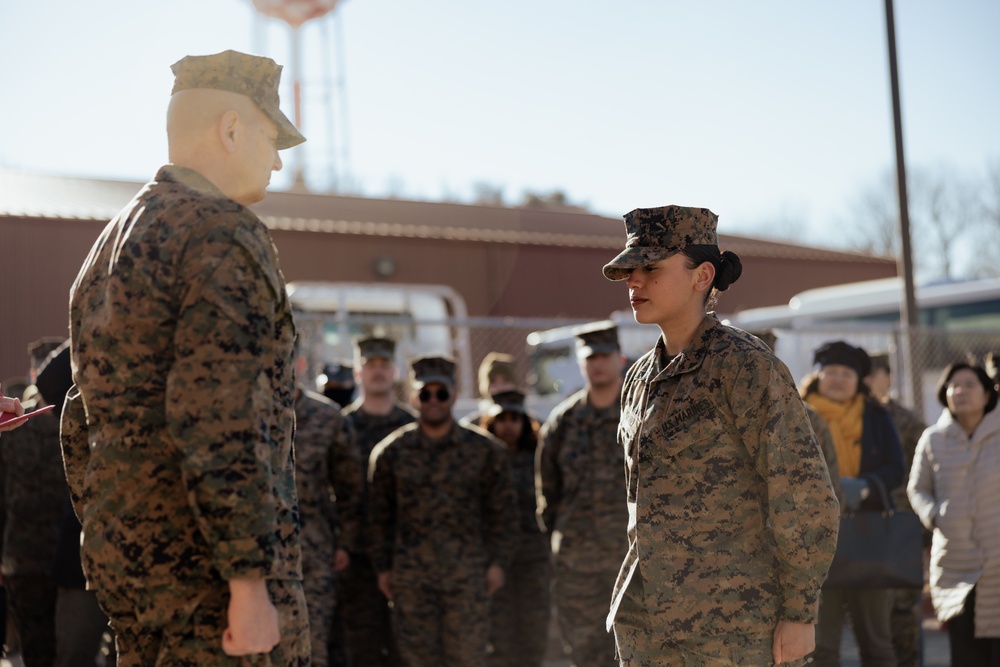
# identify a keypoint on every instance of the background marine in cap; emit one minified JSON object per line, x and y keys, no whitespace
{"x":364,"y":611}
{"x":177,"y":438}
{"x":328,"y":474}
{"x":520,"y":611}
{"x":579,"y":489}
{"x":441,"y":526}
{"x":732,"y":521}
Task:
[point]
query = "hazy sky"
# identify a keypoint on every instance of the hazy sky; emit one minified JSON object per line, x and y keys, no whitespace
{"x":766,"y":112}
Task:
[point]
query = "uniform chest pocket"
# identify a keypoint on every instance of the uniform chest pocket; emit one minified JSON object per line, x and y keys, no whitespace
{"x":692,"y":429}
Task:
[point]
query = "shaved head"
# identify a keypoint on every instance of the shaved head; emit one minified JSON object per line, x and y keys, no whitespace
{"x":226,"y":138}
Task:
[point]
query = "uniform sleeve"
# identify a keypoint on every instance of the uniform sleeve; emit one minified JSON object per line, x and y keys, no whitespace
{"x":548,"y":479}
{"x":220,"y":413}
{"x":920,"y":489}
{"x":381,"y":521}
{"x":802,"y":508}
{"x":346,"y":475}
{"x":501,"y":508}
{"x":73,"y":439}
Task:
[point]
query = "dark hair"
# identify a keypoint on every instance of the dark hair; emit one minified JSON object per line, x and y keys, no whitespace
{"x":981,"y":374}
{"x":728,"y":268}
{"x":529,"y":430}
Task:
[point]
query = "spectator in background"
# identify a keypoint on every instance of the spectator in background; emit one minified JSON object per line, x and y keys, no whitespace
{"x":32,"y":492}
{"x":868,"y":453}
{"x":363,"y":611}
{"x":907,"y":611}
{"x":441,"y":528}
{"x":519,"y":612}
{"x":328,"y":476}
{"x":580,"y":496}
{"x":336,"y":382}
{"x":497,"y":373}
{"x":954,"y":490}
{"x":81,"y":625}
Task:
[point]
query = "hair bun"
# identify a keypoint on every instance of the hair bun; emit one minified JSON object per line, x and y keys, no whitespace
{"x":730,"y":270}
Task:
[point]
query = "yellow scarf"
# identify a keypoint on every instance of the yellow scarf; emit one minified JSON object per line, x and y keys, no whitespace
{"x":846,"y":422}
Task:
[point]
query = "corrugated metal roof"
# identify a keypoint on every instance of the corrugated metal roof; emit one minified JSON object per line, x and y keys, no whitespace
{"x":61,"y":197}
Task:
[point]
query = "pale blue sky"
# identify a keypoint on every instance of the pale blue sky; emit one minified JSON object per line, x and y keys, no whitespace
{"x":762,"y":111}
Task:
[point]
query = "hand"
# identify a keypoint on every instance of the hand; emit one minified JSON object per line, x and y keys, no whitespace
{"x":494,"y":579}
{"x":341,"y":560}
{"x":793,"y":641}
{"x":253,"y":620}
{"x":13,"y":406}
{"x":385,"y":584}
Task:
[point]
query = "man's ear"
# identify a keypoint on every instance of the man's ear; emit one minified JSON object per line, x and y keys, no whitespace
{"x":229,"y":129}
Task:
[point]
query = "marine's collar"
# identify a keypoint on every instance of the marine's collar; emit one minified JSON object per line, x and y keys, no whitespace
{"x":173,"y":173}
{"x":690,"y":357}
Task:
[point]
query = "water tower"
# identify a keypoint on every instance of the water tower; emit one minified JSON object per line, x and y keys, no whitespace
{"x":326,"y":128}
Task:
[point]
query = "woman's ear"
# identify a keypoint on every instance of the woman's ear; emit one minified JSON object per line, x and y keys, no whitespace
{"x":704,"y":276}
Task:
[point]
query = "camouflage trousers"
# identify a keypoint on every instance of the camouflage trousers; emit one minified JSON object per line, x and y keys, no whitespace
{"x":321,"y":598}
{"x":192,"y":636}
{"x":638,"y":645}
{"x":582,"y":600}
{"x":365,"y":616}
{"x":519,"y":616}
{"x":436,"y":628}
{"x":31,"y":605}
{"x":906,"y":620}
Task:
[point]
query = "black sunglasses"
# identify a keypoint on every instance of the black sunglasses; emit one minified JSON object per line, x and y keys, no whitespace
{"x":442,"y":395}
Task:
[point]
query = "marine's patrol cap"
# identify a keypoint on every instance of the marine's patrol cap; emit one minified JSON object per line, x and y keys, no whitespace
{"x":253,"y":76}
{"x":843,"y":354}
{"x":596,"y":338}
{"x":374,"y":347}
{"x":654,"y":234}
{"x":432,"y":369}
{"x":506,"y":401}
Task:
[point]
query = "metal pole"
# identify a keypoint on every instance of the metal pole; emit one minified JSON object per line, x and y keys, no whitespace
{"x":299,"y":184}
{"x":908,"y":312}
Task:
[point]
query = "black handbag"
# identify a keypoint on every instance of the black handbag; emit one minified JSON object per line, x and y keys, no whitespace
{"x":878,"y":549}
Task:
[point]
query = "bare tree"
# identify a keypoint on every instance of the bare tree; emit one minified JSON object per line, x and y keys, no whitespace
{"x":875,"y":227}
{"x":487,"y":194}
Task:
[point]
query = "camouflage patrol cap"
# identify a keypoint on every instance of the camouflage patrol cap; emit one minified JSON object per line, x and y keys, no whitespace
{"x":654,"y":234}
{"x":255,"y":77}
{"x":374,"y":347}
{"x":596,"y":338}
{"x":506,"y":401}
{"x":432,"y":369}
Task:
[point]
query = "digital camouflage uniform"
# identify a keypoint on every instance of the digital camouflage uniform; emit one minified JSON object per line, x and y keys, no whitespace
{"x":439,"y":517}
{"x":732,"y":517}
{"x":32,"y":492}
{"x":829,"y":449}
{"x":328,"y":480}
{"x":364,"y":611}
{"x":178,"y":439}
{"x":907,"y":611}
{"x":581,"y":502}
{"x":520,"y":611}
